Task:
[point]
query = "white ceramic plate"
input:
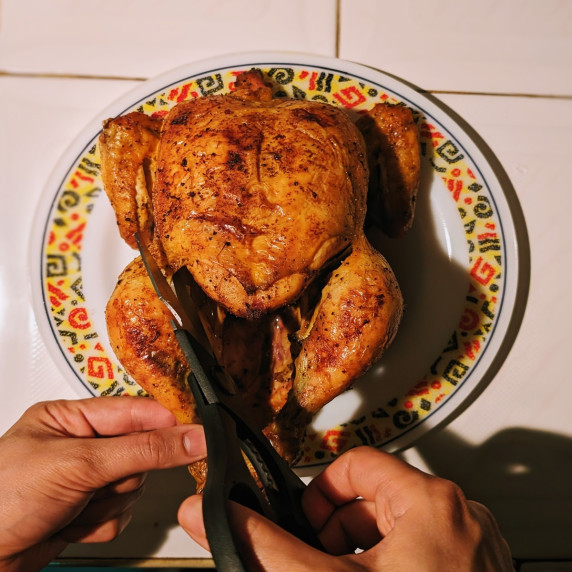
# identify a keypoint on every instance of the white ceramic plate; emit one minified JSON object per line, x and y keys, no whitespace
{"x":458,"y":266}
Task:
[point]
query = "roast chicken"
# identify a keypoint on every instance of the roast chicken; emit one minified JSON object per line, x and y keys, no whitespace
{"x":264,"y":201}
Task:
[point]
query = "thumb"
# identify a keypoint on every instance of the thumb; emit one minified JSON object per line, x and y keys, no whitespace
{"x":114,"y":458}
{"x":263,"y":544}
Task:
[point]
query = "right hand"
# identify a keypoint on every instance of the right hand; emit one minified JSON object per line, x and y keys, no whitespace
{"x":402,"y":519}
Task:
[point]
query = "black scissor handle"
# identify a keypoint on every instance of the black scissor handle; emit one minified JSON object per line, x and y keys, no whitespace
{"x":231,"y":435}
{"x":228,"y":479}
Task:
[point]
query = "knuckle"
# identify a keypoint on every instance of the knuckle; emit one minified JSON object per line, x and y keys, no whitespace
{"x":130,"y":484}
{"x":81,"y":465}
{"x":354,"y":456}
{"x":482,"y":518}
{"x":471,"y":520}
{"x":155,"y":449}
{"x":447,"y":490}
{"x":37,"y":416}
{"x":107,"y":532}
{"x":448,"y":496}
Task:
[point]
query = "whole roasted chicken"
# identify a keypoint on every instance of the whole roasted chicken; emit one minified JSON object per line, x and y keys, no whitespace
{"x":264,"y":201}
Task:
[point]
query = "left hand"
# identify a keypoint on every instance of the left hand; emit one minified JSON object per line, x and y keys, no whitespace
{"x":71,"y":471}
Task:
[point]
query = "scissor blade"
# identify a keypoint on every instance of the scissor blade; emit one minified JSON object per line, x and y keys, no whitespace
{"x":169,"y":298}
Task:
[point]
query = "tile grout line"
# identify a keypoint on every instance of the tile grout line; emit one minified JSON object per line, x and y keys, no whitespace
{"x":338,"y":27}
{"x":495,"y":94}
{"x":55,"y":75}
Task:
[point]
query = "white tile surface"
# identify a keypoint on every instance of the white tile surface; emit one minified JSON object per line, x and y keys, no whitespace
{"x":512,"y":447}
{"x":144,"y":38}
{"x":507,"y":46}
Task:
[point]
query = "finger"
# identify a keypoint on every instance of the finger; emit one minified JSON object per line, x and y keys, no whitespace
{"x":105,"y":461}
{"x":190,"y":517}
{"x":97,"y":532}
{"x":263,"y":545}
{"x":126,"y":485}
{"x":441,"y":525}
{"x":98,"y":515}
{"x":103,"y":416}
{"x":368,"y":473}
{"x":351,"y":526}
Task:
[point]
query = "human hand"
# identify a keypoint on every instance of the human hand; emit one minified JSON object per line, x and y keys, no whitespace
{"x":402,"y":519}
{"x":71,"y":471}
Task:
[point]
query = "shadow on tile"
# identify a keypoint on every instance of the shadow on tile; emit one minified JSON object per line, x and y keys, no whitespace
{"x":522,"y":475}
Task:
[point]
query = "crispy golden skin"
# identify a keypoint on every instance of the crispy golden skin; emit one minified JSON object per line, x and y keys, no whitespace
{"x":392,"y":141}
{"x":128,"y":148}
{"x":355,"y":321}
{"x":144,"y":342}
{"x":259,"y":196}
{"x":264,"y":201}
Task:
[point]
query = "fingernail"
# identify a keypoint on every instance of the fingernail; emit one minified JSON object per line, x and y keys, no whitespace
{"x":194,"y":442}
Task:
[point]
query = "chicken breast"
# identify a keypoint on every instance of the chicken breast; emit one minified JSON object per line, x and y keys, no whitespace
{"x":254,"y":196}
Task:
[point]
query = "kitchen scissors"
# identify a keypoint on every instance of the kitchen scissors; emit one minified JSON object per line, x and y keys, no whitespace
{"x":233,"y":440}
